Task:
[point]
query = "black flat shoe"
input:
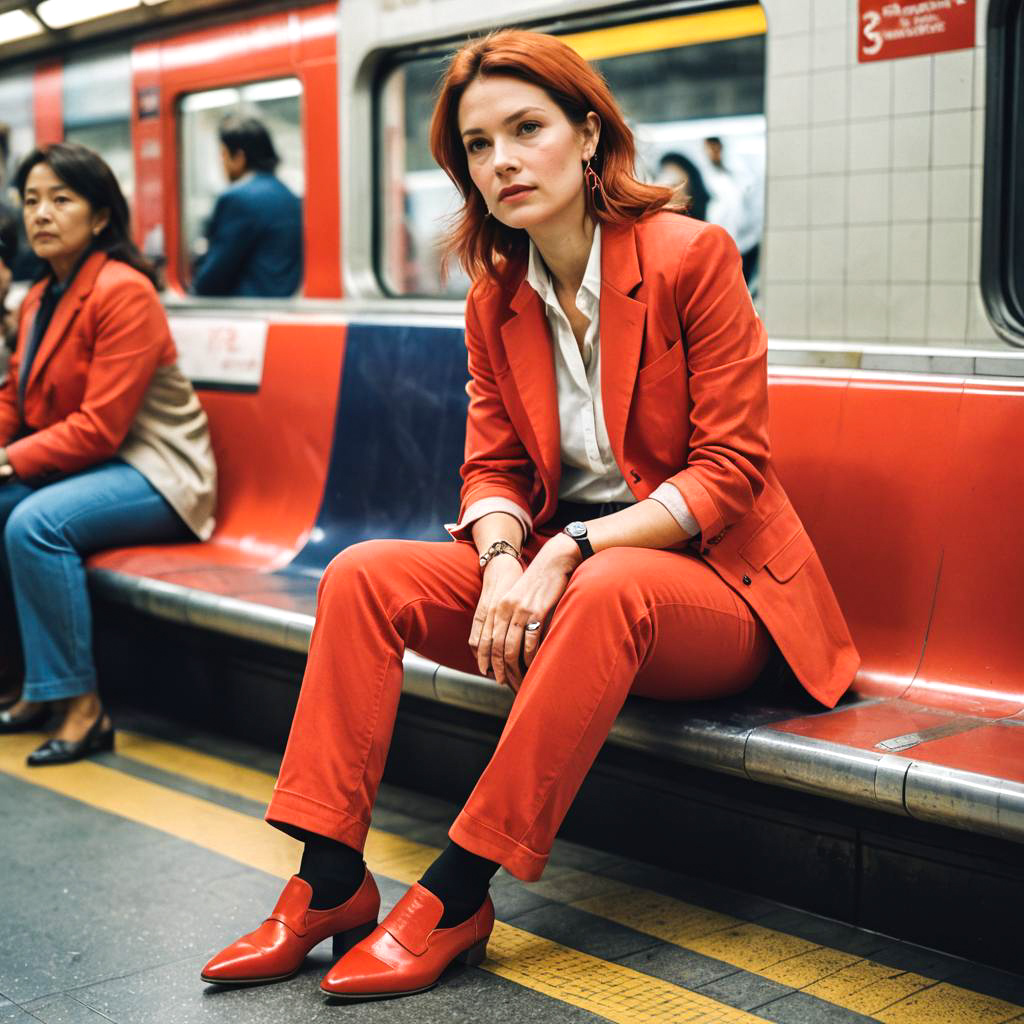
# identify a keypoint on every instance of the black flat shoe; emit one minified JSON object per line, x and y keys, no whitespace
{"x":26,"y":721}
{"x":96,"y":740}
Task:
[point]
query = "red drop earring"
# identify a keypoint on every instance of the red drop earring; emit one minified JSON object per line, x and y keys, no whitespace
{"x":595,"y":186}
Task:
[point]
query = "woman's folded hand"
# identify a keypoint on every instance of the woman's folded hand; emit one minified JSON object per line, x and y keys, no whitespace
{"x":531,"y":599}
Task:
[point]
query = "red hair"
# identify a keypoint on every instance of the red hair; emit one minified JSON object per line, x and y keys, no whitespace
{"x":482,"y":244}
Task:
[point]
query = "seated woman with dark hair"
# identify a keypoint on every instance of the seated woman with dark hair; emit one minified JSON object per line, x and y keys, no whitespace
{"x":102,"y":440}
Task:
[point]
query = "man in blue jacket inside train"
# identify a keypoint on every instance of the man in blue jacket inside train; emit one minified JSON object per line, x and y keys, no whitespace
{"x":254,"y":239}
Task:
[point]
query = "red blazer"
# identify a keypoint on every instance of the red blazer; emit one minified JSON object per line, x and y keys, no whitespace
{"x":685,"y":390}
{"x":90,"y":374}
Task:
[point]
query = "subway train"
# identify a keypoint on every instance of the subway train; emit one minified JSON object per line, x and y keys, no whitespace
{"x":757,"y":858}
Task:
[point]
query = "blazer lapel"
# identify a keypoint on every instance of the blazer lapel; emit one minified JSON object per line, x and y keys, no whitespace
{"x":622,"y":329}
{"x":527,"y":343}
{"x":65,"y":313}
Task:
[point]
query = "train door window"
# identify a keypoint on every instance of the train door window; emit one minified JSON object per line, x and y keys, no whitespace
{"x":692,"y":89}
{"x":1002,"y":270}
{"x":204,"y":177}
{"x":97,"y":111}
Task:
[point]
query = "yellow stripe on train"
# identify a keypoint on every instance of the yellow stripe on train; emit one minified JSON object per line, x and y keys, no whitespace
{"x":668,"y":33}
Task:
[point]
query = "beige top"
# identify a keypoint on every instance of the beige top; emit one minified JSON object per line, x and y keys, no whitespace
{"x":169,"y":444}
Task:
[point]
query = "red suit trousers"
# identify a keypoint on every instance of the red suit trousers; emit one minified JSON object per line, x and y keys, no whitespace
{"x":658,"y":624}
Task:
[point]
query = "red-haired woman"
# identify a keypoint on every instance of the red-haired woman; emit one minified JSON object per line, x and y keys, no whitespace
{"x":622,"y":528}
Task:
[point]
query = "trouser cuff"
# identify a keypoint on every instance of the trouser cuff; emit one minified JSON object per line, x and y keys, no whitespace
{"x":527,"y":865}
{"x":287,"y":808}
{"x":58,"y":689}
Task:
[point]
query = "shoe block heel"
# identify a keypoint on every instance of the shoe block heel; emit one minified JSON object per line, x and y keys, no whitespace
{"x":475,"y":955}
{"x":344,"y":941}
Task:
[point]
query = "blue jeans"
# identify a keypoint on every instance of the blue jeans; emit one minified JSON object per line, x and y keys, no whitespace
{"x":48,"y":531}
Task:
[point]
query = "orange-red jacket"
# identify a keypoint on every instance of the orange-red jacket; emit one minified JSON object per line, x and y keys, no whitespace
{"x":90,"y":374}
{"x":685,"y":391}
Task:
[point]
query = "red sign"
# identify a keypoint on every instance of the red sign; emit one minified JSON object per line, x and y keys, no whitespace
{"x":913,"y":27}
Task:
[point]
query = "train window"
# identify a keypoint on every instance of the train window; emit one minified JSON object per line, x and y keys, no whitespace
{"x":1002,"y":270}
{"x":97,"y":111}
{"x":204,"y":174}
{"x":692,"y":89}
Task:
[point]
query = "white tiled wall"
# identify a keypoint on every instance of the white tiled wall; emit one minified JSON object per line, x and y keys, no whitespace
{"x":874,"y":185}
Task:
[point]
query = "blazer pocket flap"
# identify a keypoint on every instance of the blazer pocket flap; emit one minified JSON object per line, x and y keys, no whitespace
{"x":785,"y":565}
{"x":771,"y":538}
{"x":661,"y":366}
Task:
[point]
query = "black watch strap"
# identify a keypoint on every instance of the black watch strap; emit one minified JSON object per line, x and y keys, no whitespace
{"x":578,"y":532}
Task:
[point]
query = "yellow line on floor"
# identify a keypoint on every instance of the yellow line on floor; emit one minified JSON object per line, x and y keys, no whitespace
{"x":211,"y":771}
{"x":388,"y":854}
{"x":616,"y":993}
{"x":843,"y":979}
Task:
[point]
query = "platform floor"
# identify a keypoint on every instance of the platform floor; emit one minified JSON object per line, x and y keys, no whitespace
{"x":120,"y":876}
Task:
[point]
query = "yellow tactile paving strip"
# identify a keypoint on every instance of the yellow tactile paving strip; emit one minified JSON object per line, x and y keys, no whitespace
{"x":874,"y":990}
{"x":608,"y":990}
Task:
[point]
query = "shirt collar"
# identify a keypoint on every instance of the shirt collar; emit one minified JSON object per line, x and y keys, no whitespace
{"x":55,"y":289}
{"x":539,"y":278}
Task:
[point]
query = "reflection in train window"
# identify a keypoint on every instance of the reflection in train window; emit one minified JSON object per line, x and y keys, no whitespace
{"x":97,"y":108}
{"x":692,"y":89}
{"x":277,"y":104}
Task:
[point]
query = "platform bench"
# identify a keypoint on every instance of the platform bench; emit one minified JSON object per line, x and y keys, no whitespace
{"x":905,"y":485}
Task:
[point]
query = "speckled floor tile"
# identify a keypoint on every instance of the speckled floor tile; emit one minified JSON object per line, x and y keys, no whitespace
{"x":63,"y":1009}
{"x":744,"y":991}
{"x":12,"y":1014}
{"x":175,"y":993}
{"x":582,"y":931}
{"x":803,"y":1009}
{"x":95,"y":896}
{"x":678,"y":966}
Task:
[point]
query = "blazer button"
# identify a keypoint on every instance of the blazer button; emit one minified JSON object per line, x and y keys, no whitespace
{"x":746,"y":581}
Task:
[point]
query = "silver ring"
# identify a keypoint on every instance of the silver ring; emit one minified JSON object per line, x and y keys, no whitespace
{"x":532,"y":627}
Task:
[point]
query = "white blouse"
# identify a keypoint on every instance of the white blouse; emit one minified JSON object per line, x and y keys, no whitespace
{"x":590,"y":473}
{"x":589,"y":470}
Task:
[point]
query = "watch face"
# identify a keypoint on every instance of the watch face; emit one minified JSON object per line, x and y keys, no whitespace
{"x":576,"y":530}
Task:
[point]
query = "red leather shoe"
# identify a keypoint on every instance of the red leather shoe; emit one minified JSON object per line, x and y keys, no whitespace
{"x":407,"y":952}
{"x":276,"y":949}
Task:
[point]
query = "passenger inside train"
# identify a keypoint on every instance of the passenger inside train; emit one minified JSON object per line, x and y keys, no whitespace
{"x":735,"y":204}
{"x":555,"y":542}
{"x":679,"y":172}
{"x":254,"y":237}
{"x":103,"y":442}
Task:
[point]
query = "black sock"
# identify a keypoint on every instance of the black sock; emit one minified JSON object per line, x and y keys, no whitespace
{"x":334,"y":871}
{"x":460,"y":880}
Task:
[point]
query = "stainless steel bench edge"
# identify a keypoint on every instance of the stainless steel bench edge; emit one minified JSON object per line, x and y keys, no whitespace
{"x":883,"y":781}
